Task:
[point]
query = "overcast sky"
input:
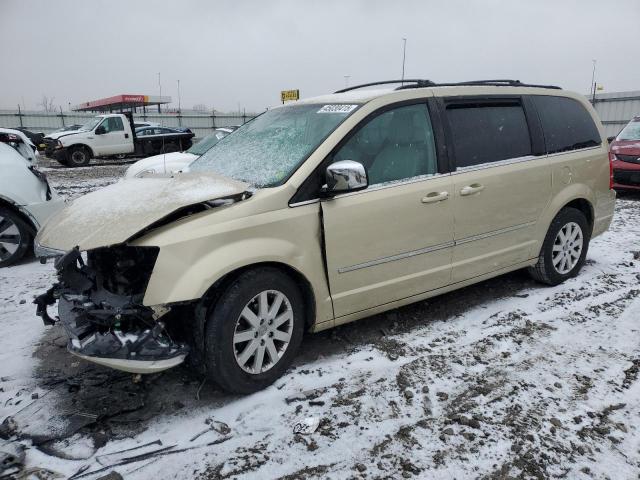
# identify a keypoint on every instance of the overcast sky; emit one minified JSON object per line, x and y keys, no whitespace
{"x":230,"y":53}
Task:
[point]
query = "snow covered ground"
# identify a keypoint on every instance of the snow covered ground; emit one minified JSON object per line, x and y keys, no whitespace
{"x":502,"y":379}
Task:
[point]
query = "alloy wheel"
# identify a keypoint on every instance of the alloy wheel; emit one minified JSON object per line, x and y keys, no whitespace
{"x":567,"y":248}
{"x":263,"y":331}
{"x":10,"y":238}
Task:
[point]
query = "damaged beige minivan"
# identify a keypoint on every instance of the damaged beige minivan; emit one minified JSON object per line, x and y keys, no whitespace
{"x":322,"y":212}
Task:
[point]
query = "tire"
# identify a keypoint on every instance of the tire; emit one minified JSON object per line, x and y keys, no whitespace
{"x":551,"y":268}
{"x":78,"y":157}
{"x":230,"y":337}
{"x":15,"y":237}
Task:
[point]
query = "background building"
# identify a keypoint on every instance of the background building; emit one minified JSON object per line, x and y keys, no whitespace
{"x":616,"y":109}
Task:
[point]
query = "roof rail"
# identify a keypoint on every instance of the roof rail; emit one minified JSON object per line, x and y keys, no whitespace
{"x":418,"y":83}
{"x":493,"y":83}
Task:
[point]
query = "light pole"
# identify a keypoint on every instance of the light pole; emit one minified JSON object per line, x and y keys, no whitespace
{"x":593,"y":83}
{"x":404,"y":51}
{"x":179,"y":106}
{"x":159,"y":88}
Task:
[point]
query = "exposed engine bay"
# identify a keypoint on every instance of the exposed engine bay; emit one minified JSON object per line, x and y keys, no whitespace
{"x":100,"y":307}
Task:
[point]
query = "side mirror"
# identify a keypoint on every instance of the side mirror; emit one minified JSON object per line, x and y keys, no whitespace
{"x":100,"y":130}
{"x":344,"y":176}
{"x":611,"y":139}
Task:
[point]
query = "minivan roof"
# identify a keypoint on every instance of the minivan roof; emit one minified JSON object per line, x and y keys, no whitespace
{"x":360,"y":94}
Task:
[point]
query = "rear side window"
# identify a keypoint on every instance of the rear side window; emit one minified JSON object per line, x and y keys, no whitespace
{"x":566,"y":124}
{"x":488,"y":132}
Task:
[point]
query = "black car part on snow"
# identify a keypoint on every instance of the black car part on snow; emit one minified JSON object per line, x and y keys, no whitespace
{"x":100,"y":305}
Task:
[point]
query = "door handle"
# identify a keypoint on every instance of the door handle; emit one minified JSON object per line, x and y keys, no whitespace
{"x":471,"y":189}
{"x":435,"y":197}
{"x":90,"y":138}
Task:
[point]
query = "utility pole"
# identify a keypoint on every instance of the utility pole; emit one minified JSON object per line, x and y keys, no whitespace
{"x":159,"y":88}
{"x":593,"y":83}
{"x":179,"y":106}
{"x":404,"y":51}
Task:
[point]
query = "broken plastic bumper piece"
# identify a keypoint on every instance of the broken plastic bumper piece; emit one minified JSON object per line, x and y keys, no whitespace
{"x":106,"y":328}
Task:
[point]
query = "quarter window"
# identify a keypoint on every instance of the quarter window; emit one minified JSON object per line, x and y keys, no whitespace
{"x":395,"y":145}
{"x":488,"y":132}
{"x":566,"y":124}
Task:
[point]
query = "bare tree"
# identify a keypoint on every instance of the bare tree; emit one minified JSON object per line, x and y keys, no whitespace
{"x":47,"y":103}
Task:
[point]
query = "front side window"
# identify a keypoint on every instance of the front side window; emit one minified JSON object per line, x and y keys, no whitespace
{"x":631,"y":131}
{"x":267,"y":150}
{"x":395,"y":145}
{"x":488,"y":132}
{"x":566,"y":124}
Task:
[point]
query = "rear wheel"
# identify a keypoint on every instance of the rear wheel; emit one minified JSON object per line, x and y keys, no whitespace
{"x":14,"y":238}
{"x":254,"y":330}
{"x":564,"y":249}
{"x":78,"y":157}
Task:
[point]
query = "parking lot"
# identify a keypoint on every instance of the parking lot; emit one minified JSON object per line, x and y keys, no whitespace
{"x":502,"y":379}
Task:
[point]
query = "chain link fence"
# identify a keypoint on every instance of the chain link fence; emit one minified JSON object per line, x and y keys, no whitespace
{"x":201,"y":124}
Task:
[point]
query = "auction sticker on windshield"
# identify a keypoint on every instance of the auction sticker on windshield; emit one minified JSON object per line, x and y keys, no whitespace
{"x":337,"y":109}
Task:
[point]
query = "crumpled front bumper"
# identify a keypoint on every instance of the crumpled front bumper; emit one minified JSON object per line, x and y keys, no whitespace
{"x":105,"y":328}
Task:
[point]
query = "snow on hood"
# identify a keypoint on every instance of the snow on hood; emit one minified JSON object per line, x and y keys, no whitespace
{"x":114,"y":214}
{"x":173,"y":161}
{"x":57,"y":135}
{"x":626,"y":147}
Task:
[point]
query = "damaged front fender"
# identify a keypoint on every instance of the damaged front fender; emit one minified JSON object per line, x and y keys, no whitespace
{"x":100,"y":308}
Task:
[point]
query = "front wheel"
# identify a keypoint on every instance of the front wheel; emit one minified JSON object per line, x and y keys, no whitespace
{"x":78,"y":157}
{"x":254,"y":330}
{"x":564,"y":249}
{"x":14,"y":238}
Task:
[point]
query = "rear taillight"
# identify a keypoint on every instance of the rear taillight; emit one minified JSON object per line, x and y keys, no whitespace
{"x":612,"y":157}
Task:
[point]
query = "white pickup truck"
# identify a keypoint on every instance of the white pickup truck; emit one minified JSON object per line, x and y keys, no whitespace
{"x":113,"y":135}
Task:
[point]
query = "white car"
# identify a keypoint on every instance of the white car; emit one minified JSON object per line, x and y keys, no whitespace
{"x":26,"y":148}
{"x":26,"y":201}
{"x":176,"y":161}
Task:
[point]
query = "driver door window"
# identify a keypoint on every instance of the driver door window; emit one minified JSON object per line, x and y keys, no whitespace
{"x":395,"y":145}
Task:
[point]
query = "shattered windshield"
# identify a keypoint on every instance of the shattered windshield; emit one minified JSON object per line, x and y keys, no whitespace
{"x":207,"y":142}
{"x":267,"y":150}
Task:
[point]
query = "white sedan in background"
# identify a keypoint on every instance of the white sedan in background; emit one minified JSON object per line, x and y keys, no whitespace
{"x":176,"y":161}
{"x":26,"y":148}
{"x":26,"y":199}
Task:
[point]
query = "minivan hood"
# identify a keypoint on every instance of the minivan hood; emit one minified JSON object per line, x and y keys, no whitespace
{"x":116,"y":213}
{"x":626,"y":147}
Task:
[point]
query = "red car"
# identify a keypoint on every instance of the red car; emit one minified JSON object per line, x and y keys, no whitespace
{"x":625,"y":157}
